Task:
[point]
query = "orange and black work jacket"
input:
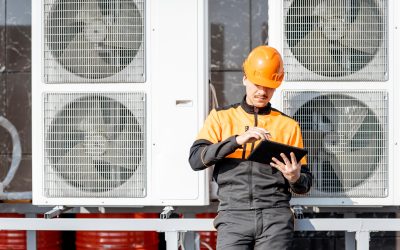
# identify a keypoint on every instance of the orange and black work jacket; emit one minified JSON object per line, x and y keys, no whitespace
{"x":244,"y":184}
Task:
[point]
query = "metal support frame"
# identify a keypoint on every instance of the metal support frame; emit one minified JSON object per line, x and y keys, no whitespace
{"x":350,"y":237}
{"x":350,"y":240}
{"x":172,"y":239}
{"x":166,"y":213}
{"x":362,"y":238}
{"x":298,"y":212}
{"x":174,"y":227}
{"x":56,"y":211}
{"x":31,"y":235}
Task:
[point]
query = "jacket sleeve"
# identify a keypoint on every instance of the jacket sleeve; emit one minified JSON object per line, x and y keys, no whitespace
{"x":209,"y":146}
{"x":304,"y":183}
{"x":204,"y":154}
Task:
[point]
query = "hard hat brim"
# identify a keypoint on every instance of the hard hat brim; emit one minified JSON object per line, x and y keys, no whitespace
{"x":273,"y":84}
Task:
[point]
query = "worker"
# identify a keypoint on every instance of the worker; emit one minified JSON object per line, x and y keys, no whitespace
{"x":254,"y":210}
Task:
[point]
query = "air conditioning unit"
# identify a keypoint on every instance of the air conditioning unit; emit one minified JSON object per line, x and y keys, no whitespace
{"x":341,"y":86}
{"x":119,"y":92}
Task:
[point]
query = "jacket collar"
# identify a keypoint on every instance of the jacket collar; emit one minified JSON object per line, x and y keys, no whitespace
{"x":250,"y":109}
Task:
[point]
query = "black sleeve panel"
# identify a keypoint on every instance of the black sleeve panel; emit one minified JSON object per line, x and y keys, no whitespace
{"x":204,"y":154}
{"x":303,"y":184}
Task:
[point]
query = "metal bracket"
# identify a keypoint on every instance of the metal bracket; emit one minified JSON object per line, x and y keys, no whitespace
{"x":56,"y":211}
{"x":167,"y":212}
{"x":298,"y":212}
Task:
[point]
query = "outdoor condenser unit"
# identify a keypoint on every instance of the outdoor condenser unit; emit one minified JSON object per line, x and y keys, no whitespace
{"x":119,"y":92}
{"x":342,"y":86}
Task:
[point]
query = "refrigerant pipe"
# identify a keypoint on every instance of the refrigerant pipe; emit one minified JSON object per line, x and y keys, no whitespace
{"x":16,"y":159}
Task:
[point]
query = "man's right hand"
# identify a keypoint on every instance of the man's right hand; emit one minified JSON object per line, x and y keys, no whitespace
{"x":253,"y":134}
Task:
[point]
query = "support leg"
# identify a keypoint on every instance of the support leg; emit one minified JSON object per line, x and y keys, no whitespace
{"x":31,"y":236}
{"x":350,"y":237}
{"x":190,"y":241}
{"x":56,"y":211}
{"x":350,"y":241}
{"x":172,"y":240}
{"x":362,"y":238}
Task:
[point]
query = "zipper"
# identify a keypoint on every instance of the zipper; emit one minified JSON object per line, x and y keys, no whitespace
{"x":255,"y":125}
{"x":251,"y":163}
{"x":251,"y":185}
{"x":244,"y":147}
{"x":244,"y":152}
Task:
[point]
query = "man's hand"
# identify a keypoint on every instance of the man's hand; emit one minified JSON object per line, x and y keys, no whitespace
{"x":290,"y":169}
{"x":253,"y":134}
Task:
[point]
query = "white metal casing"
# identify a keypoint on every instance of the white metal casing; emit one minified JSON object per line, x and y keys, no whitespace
{"x":176,"y":90}
{"x":391,"y":87}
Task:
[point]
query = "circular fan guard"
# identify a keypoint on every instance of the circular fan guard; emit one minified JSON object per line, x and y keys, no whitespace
{"x":95,"y":144}
{"x":94,"y":39}
{"x":345,"y":141}
{"x":334,"y":38}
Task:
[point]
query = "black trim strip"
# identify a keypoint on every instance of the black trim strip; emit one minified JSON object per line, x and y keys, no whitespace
{"x":250,"y":109}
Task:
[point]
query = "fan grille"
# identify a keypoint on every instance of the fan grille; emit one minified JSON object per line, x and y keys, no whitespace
{"x":335,"y":39}
{"x":94,"y":41}
{"x":347,"y":139}
{"x":94,"y":145}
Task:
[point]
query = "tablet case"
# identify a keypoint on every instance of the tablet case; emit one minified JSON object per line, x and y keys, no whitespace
{"x":266,"y":149}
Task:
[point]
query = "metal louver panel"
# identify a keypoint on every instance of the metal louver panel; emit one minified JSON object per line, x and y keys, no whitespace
{"x":95,"y":145}
{"x":346,"y":135}
{"x":94,"y":41}
{"x":335,"y":40}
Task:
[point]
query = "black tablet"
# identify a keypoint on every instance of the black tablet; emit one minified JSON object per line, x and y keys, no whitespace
{"x":265,"y":150}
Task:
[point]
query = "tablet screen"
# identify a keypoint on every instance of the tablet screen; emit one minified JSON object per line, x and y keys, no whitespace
{"x":265,"y":150}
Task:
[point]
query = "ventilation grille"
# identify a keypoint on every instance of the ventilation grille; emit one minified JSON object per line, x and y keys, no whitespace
{"x":95,"y":145}
{"x":347,"y":139}
{"x":94,"y":41}
{"x":335,"y":40}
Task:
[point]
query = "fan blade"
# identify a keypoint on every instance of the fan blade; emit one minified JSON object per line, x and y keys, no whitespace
{"x":337,"y":8}
{"x":300,"y":20}
{"x":352,"y":118}
{"x":105,"y":6}
{"x":357,"y":145}
{"x":82,"y":57}
{"x":326,"y":171}
{"x":126,"y":150}
{"x":92,"y":122}
{"x":126,"y":30}
{"x":76,"y":167}
{"x":344,"y":140}
{"x":82,"y":170}
{"x":62,"y":26}
{"x":356,"y":165}
{"x":341,"y":171}
{"x":365,"y":32}
{"x":89,"y":12}
{"x":314,"y":51}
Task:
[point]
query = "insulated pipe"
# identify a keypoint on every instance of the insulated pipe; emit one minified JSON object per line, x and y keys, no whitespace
{"x":16,"y":154}
{"x":16,"y":196}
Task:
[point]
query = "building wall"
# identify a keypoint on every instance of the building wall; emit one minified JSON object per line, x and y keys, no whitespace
{"x":15,"y":87}
{"x":236,"y":26}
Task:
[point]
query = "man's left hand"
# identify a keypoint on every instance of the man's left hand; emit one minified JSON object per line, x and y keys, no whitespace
{"x":290,"y":169}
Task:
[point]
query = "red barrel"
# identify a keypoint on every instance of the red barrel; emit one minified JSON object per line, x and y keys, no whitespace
{"x":16,"y":239}
{"x":208,"y":240}
{"x":117,"y":240}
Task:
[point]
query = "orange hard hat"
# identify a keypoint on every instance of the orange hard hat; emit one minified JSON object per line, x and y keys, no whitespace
{"x":264,"y":66}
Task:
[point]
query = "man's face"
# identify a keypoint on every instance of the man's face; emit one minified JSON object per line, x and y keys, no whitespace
{"x":257,"y":95}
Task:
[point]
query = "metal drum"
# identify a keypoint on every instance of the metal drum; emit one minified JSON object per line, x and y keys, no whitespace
{"x":16,"y":239}
{"x":208,"y":240}
{"x":117,"y":240}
